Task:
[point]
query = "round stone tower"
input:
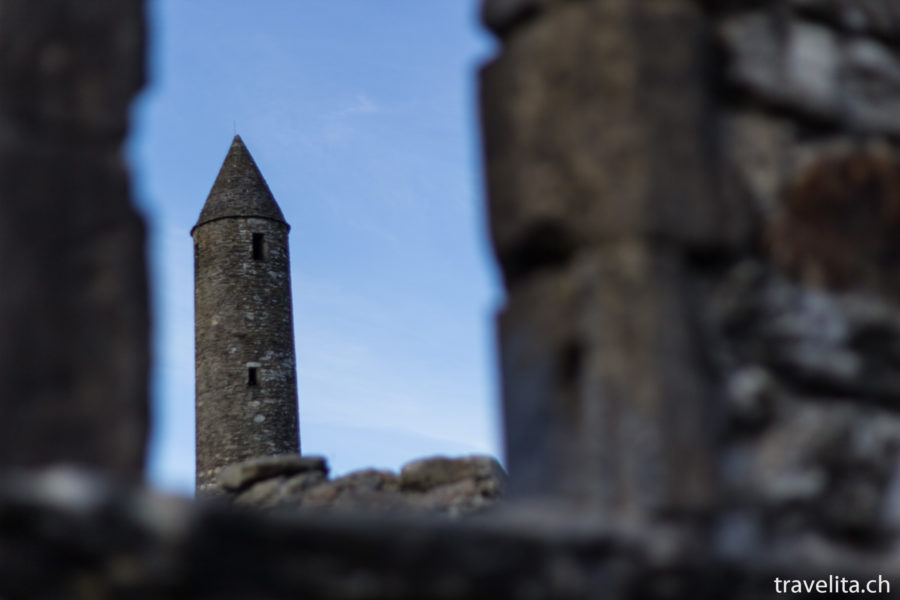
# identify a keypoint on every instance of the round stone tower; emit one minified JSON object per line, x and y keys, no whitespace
{"x":246,"y":397}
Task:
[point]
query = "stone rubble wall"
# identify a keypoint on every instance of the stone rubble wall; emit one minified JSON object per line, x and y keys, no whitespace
{"x":443,"y":486}
{"x":804,"y":326}
{"x":74,"y":535}
{"x":699,"y":243}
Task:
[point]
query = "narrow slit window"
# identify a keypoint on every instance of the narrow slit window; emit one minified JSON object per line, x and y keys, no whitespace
{"x":252,"y":378}
{"x":257,"y":246}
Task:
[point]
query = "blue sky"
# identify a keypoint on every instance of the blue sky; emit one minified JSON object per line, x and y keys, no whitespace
{"x":362,"y":116}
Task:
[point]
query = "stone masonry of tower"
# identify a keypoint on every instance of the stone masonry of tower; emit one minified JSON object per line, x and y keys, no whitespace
{"x":246,"y":396}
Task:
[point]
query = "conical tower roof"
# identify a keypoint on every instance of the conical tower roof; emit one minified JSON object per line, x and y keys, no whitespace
{"x":239,"y":190}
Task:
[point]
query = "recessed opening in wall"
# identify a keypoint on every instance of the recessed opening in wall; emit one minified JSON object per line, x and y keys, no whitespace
{"x":252,"y":377}
{"x":257,"y":246}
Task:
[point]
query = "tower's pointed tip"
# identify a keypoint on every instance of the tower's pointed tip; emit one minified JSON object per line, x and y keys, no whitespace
{"x":240,"y":190}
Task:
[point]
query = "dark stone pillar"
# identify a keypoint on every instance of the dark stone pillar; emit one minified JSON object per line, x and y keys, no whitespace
{"x":601,"y":176}
{"x":73,"y":310}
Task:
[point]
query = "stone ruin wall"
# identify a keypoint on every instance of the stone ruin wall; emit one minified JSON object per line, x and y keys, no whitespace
{"x":693,"y":205}
{"x":699,"y":241}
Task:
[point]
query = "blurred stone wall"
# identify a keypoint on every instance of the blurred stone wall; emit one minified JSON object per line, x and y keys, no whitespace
{"x":696,"y":208}
{"x":74,"y":329}
{"x":603,"y":176}
{"x":803,"y":326}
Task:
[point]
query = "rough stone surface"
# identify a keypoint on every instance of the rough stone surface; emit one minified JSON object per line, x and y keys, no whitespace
{"x":240,"y":190}
{"x":427,"y":473}
{"x":761,"y":151}
{"x":805,"y":332}
{"x":820,"y":467}
{"x":432,"y":486}
{"x":578,"y":156}
{"x":246,"y":370}
{"x":881,"y":17}
{"x":74,"y":321}
{"x":640,"y":340}
{"x":845,"y":345}
{"x":101,"y":541}
{"x":814,"y":70}
{"x":240,"y":475}
{"x":600,"y":370}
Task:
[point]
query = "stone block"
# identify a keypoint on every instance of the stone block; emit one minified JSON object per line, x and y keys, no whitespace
{"x":243,"y":474}
{"x":427,"y":473}
{"x":261,"y":493}
{"x":871,"y":95}
{"x":759,"y":153}
{"x":799,"y":66}
{"x":579,"y":155}
{"x":880,"y":17}
{"x":815,"y":70}
{"x":604,"y":394}
{"x":819,"y":465}
{"x":817,"y":342}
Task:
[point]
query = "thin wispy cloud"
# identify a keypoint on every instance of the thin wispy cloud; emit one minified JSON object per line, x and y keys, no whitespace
{"x":342,"y":124}
{"x":361,"y":105}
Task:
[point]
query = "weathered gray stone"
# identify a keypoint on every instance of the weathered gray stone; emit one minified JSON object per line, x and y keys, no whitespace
{"x":799,"y":66}
{"x":296,"y":484}
{"x":752,"y":394}
{"x":238,"y":476}
{"x":871,"y":72}
{"x":74,"y":323}
{"x":576,"y":155}
{"x":823,"y":465}
{"x":370,"y":479}
{"x":369,"y":490}
{"x":846,"y":344}
{"x":758,"y":149}
{"x":881,"y":17}
{"x":239,"y":190}
{"x":814,"y":70}
{"x":435,"y":486}
{"x":604,"y":396}
{"x":427,"y":473}
{"x":279,"y":490}
{"x":466,"y":496}
{"x":261,"y":493}
{"x":246,"y":396}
